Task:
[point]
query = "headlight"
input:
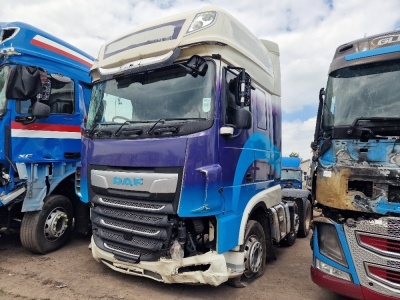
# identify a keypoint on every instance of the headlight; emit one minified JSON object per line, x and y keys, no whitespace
{"x":202,"y":20}
{"x":328,"y":269}
{"x":329,"y":244}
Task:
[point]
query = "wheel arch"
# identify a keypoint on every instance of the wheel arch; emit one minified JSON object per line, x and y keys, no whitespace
{"x":80,"y":210}
{"x":257,"y":209}
{"x":47,"y":183}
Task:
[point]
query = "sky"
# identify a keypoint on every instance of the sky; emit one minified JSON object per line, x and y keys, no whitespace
{"x":307,"y":32}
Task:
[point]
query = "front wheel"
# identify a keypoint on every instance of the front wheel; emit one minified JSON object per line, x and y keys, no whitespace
{"x":254,"y":254}
{"x":48,"y":229}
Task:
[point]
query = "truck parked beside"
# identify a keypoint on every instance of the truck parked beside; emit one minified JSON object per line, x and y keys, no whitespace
{"x":44,"y":93}
{"x":182,"y":152}
{"x":292,"y":190}
{"x":356,"y":242}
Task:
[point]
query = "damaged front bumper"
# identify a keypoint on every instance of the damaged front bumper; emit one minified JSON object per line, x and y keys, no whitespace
{"x":209,"y":268}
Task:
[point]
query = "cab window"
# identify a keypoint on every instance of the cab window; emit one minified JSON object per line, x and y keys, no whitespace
{"x":57,"y":92}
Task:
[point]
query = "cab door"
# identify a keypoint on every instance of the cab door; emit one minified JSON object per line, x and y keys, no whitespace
{"x":236,"y":158}
{"x":53,"y":138}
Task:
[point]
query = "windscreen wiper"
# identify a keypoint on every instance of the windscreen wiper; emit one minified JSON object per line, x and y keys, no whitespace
{"x":150,"y":132}
{"x":170,"y":128}
{"x":137,"y":131}
{"x":91,"y":132}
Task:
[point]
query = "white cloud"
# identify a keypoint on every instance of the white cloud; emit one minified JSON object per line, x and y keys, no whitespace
{"x":297,"y":137}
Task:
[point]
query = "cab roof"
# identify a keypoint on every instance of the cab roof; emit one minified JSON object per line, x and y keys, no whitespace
{"x":379,"y":47}
{"x":18,"y":38}
{"x":223,"y":35}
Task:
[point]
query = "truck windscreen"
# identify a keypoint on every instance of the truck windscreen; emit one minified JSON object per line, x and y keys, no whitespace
{"x":288,"y":174}
{"x":371,"y":90}
{"x":168,"y":93}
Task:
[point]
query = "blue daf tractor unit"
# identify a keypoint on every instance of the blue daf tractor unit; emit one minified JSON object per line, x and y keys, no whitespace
{"x":44,"y":93}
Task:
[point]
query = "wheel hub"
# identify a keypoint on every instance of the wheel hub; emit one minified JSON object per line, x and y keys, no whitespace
{"x":56,"y":224}
{"x":253,"y":253}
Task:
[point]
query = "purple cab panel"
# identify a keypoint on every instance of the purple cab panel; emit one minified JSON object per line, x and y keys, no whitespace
{"x":169,"y":152}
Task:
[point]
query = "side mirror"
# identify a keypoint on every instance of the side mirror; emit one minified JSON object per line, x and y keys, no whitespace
{"x":23,"y":83}
{"x":241,"y":88}
{"x":243,"y":119}
{"x":40,"y":110}
{"x":196,"y":65}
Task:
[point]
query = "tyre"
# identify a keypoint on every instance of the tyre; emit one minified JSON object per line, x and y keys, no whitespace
{"x":254,"y":248}
{"x":305,"y":217}
{"x":47,"y":230}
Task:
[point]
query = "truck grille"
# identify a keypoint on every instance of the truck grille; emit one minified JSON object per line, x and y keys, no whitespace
{"x":134,"y":226}
{"x":384,"y":275}
{"x":375,"y":248}
{"x":380,"y":244}
{"x":133,"y":205}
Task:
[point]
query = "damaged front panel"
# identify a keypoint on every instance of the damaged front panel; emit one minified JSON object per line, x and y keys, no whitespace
{"x":360,"y":176}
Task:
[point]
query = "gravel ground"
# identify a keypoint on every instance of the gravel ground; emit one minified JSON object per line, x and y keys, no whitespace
{"x":71,"y":273}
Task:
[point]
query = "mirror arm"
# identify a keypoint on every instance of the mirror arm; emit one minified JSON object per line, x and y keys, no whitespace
{"x":234,"y":136}
{"x":25,"y":119}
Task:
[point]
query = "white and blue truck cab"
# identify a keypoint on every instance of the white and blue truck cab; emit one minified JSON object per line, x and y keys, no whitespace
{"x":44,"y":94}
{"x":181,"y":152}
{"x":356,"y":171}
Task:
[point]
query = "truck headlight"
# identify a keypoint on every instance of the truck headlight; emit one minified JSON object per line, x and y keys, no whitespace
{"x":202,"y":20}
{"x":329,"y":244}
{"x":328,"y":269}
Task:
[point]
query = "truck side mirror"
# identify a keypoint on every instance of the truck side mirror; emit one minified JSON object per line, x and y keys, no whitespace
{"x":243,"y":119}
{"x":241,"y":88}
{"x":23,"y":83}
{"x":196,"y":65}
{"x":40,"y":110}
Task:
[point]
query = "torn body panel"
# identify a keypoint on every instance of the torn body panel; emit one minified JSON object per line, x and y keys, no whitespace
{"x":208,"y":268}
{"x":357,"y":180}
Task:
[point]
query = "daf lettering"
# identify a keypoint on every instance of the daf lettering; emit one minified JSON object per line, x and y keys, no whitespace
{"x":127,"y":181}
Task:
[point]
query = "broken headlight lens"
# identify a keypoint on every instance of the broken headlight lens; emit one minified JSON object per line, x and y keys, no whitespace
{"x":202,"y":20}
{"x":329,"y":244}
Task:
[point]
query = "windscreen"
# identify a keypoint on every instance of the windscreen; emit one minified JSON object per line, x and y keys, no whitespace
{"x":168,"y":93}
{"x":291,"y":175}
{"x":371,"y":90}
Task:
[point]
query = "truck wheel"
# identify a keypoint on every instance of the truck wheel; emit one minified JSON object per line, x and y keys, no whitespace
{"x":254,"y":254}
{"x":49,"y":229}
{"x":305,"y":217}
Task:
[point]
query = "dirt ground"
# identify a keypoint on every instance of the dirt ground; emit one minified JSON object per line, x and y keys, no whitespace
{"x":71,"y":273}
